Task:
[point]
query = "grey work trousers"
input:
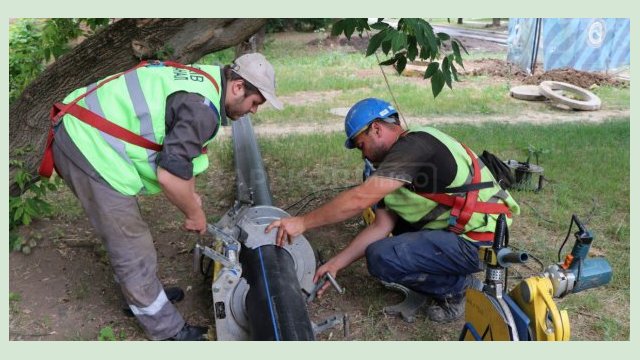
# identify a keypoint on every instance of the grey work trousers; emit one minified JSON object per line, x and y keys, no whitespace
{"x":117,"y":220}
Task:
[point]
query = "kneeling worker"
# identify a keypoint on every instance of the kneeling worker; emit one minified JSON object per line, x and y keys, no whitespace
{"x":427,"y":179}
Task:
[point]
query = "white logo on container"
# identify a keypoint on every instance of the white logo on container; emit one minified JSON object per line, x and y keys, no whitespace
{"x":596,"y":33}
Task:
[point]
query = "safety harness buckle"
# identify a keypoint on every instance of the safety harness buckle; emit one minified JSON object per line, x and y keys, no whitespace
{"x":456,"y":229}
{"x":154,"y":63}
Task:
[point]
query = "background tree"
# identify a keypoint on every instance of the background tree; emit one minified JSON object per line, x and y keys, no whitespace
{"x":407,"y":40}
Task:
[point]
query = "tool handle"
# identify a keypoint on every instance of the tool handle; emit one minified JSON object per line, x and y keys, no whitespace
{"x":333,"y":282}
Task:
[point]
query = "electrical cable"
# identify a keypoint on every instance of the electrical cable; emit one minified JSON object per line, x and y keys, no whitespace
{"x":538,"y":213}
{"x":317,"y":191}
{"x":305,"y":205}
{"x":567,"y":237}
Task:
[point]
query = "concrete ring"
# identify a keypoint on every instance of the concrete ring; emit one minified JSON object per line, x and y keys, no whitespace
{"x":527,"y":92}
{"x":588,"y":100}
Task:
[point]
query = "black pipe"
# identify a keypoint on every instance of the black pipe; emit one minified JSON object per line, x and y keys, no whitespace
{"x":252,"y":184}
{"x":275,"y":307}
{"x":274,"y":303}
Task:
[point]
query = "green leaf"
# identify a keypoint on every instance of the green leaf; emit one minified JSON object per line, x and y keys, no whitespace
{"x":410,"y":26}
{"x":424,"y":52}
{"x":462,"y":46}
{"x":456,"y":52}
{"x":430,"y":37}
{"x":399,"y":42}
{"x":420,"y":37}
{"x":446,"y":71}
{"x":337,"y":28}
{"x":412,"y":48}
{"x":433,"y":44}
{"x":431,"y":69}
{"x":402,"y":63}
{"x":454,"y":72}
{"x":380,"y":26}
{"x":443,"y":36}
{"x":26,"y":219}
{"x":375,"y":42}
{"x":349,"y":28}
{"x":15,"y":243}
{"x":389,"y":61}
{"x":18,"y":214}
{"x":386,"y":46}
{"x":437,"y":83}
{"x":362,"y":25}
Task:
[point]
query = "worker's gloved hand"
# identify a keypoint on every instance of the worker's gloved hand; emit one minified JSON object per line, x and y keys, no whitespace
{"x":328,"y":267}
{"x":288,"y":228}
{"x":197,"y":222}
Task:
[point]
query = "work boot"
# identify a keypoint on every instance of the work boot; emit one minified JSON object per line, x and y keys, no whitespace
{"x":174,"y":294}
{"x":447,"y":310}
{"x":453,"y":308}
{"x":190,"y":333}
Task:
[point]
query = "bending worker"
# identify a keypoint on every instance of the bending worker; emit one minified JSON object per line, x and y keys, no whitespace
{"x":423,"y":178}
{"x":178,"y":108}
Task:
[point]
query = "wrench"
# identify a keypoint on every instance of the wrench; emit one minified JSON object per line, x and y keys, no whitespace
{"x":319,"y":284}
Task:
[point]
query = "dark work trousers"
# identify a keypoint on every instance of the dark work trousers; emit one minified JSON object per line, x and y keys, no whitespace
{"x":116,"y":218}
{"x":432,"y":262}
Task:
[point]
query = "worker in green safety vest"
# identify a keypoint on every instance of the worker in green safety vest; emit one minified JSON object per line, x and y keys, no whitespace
{"x":446,"y":199}
{"x":165,"y":114}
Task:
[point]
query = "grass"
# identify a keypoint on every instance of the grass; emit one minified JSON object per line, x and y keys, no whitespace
{"x":346,"y":76}
{"x":14,"y":301}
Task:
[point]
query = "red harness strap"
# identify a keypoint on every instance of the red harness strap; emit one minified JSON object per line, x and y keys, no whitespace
{"x":59,"y":110}
{"x":463,"y":207}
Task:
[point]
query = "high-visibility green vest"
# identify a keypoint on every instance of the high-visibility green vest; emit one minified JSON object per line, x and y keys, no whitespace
{"x":417,"y":209}
{"x":136,"y":101}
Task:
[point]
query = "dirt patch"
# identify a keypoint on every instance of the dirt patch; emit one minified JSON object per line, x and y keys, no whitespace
{"x":494,"y":68}
{"x":582,"y":79}
{"x":66,"y":290}
{"x":504,"y":69}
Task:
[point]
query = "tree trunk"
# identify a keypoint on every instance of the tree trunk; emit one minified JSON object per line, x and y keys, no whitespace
{"x":495,"y":22}
{"x":116,"y":48}
{"x":459,"y":21}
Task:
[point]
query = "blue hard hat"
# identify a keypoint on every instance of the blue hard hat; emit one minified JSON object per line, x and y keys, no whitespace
{"x":363,"y":113}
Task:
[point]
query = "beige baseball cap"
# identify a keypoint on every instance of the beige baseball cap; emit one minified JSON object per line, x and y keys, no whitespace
{"x":258,"y":71}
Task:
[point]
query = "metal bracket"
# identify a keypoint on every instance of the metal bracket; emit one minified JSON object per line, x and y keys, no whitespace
{"x":331,"y":322}
{"x":253,"y":221}
{"x":215,"y":256}
{"x":409,"y":306}
{"x":327,"y":277}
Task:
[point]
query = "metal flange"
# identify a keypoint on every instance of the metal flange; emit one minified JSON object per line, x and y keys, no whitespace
{"x":253,"y":222}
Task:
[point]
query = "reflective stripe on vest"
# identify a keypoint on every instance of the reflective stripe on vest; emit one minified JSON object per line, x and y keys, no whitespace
{"x":93,"y":104}
{"x":141,"y":109}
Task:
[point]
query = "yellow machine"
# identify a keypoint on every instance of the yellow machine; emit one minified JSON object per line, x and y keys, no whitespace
{"x":528,"y":311}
